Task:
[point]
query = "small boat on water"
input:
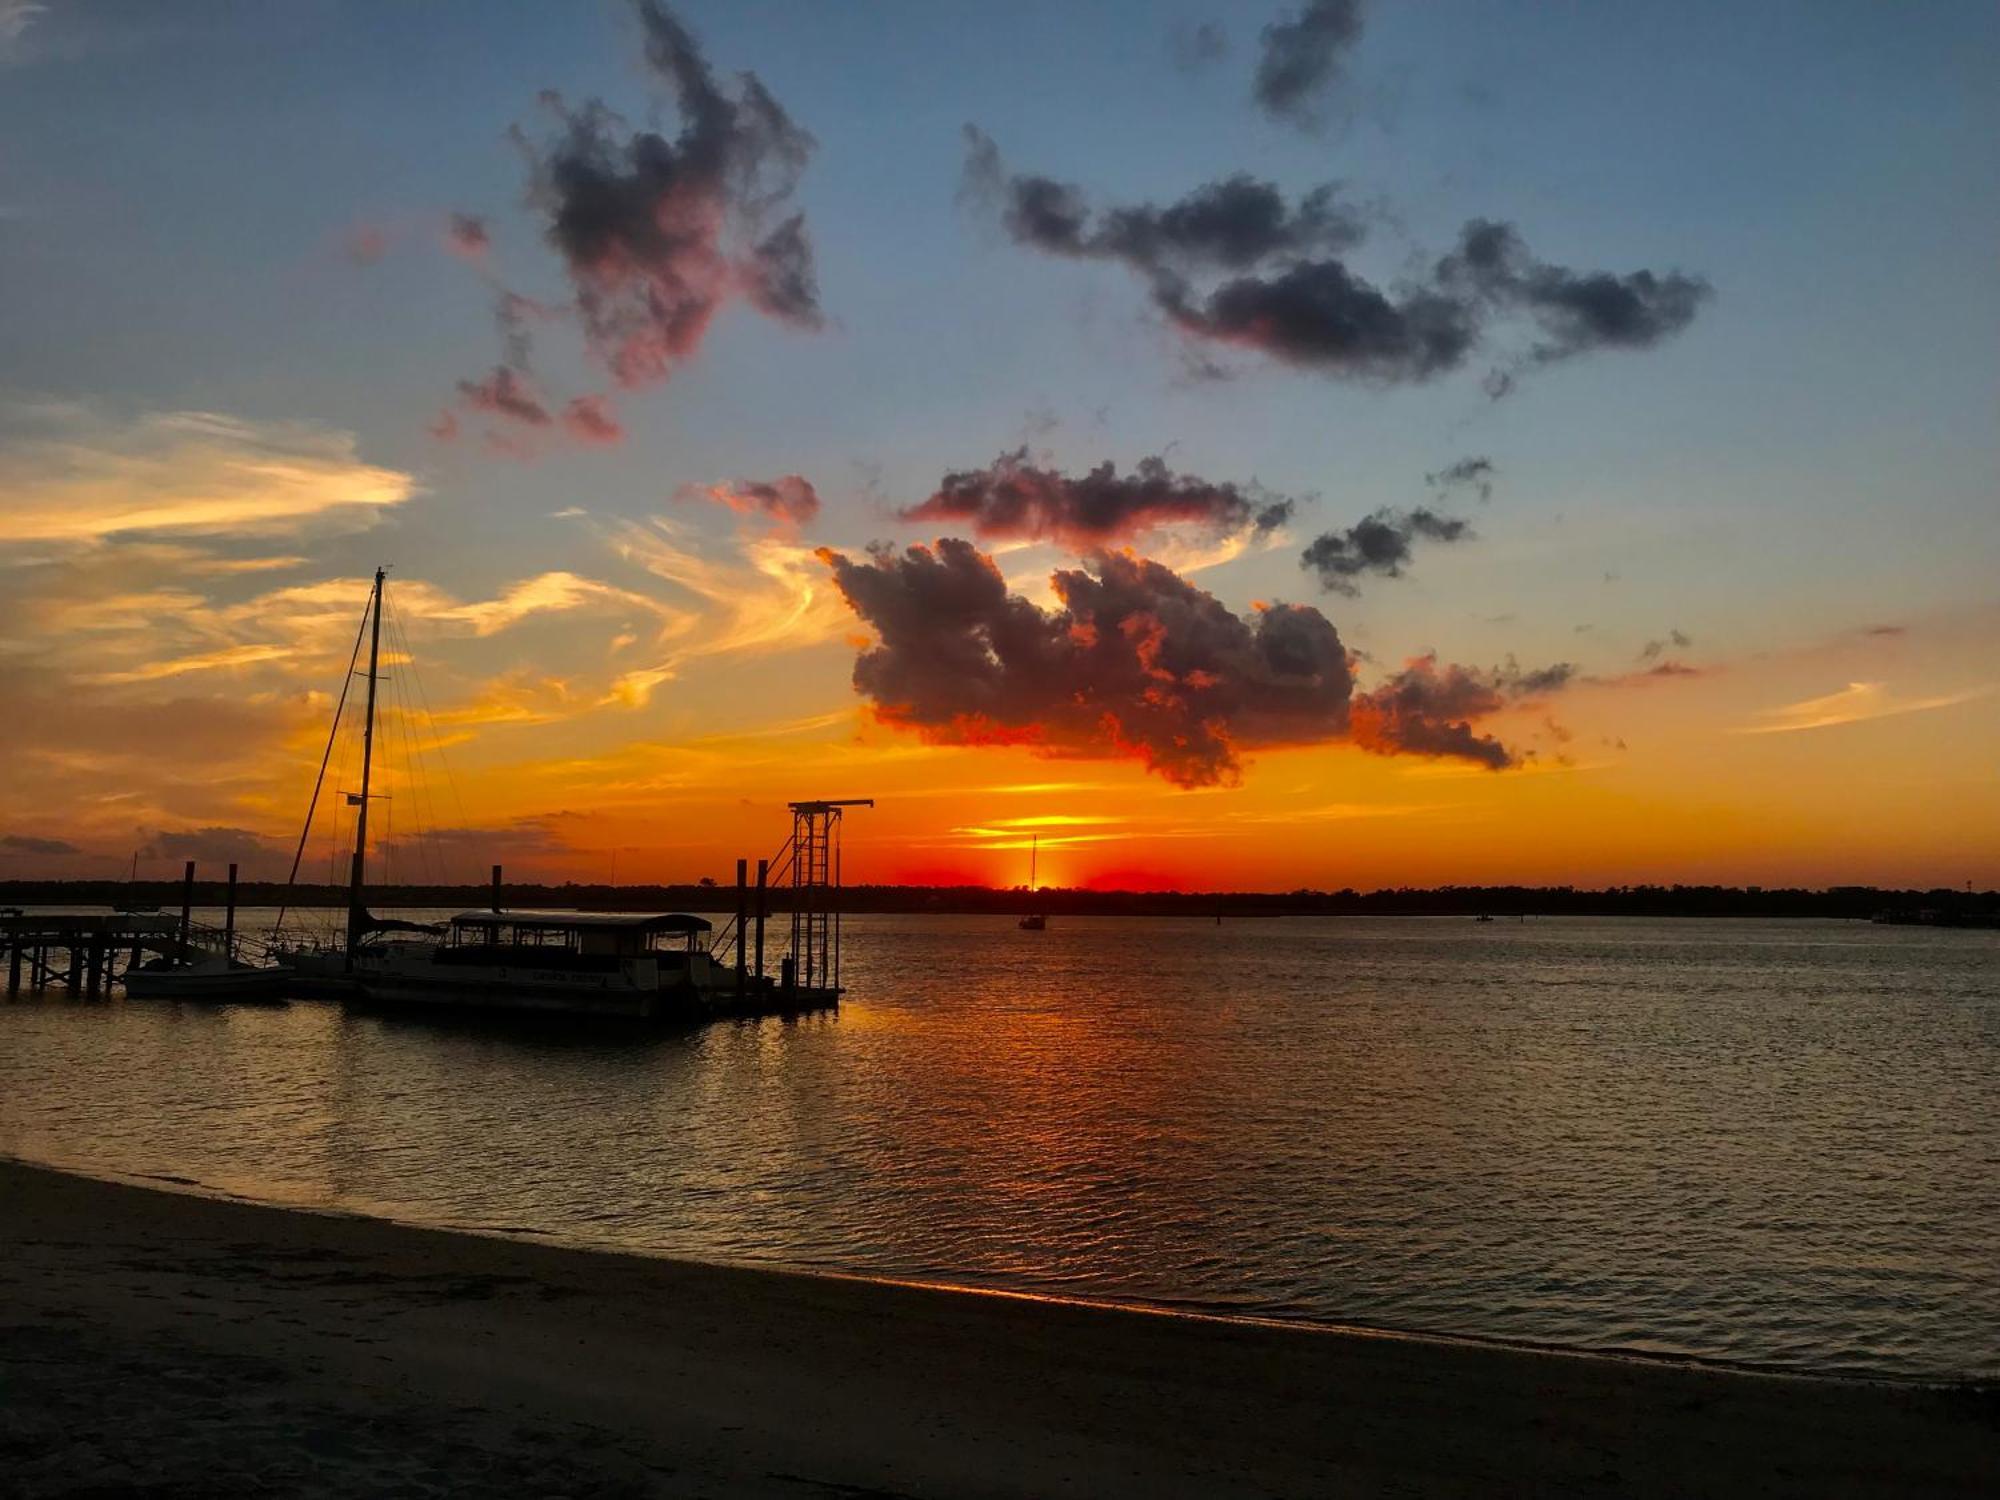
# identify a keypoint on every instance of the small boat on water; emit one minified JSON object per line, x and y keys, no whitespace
{"x":1034,"y":921}
{"x":204,"y":975}
{"x":208,"y":969}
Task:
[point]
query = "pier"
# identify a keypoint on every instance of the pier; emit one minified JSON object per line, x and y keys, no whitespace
{"x":87,"y":952}
{"x":84,"y":953}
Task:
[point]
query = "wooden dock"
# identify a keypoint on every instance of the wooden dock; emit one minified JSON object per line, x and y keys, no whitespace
{"x":83,"y":952}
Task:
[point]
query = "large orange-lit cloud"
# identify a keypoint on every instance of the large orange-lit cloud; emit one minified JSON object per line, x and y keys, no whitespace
{"x":1139,"y":663}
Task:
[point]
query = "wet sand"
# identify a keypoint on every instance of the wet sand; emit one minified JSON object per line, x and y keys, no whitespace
{"x":168,"y":1344}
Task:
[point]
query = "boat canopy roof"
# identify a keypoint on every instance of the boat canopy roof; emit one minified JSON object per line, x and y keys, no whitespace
{"x":584,"y":921}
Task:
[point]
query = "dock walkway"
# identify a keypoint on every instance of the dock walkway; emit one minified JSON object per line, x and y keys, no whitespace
{"x":83,"y":952}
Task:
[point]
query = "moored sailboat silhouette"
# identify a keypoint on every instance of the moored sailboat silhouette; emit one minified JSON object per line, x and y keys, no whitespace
{"x":1034,"y":921}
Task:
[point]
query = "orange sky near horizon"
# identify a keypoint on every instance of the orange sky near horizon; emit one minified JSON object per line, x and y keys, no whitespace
{"x":1787,"y":767}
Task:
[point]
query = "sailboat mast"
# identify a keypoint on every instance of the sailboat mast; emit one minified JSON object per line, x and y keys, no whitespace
{"x":1034,"y":856}
{"x":367,"y":763}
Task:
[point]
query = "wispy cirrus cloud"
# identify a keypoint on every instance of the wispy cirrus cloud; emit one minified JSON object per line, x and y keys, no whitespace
{"x":1856,"y":703}
{"x":71,"y":473}
{"x":16,"y":16}
{"x":774,"y":596}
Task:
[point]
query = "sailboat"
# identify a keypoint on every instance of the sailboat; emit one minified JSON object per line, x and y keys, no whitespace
{"x":209,"y":969}
{"x":1035,"y":921}
{"x":635,"y":965}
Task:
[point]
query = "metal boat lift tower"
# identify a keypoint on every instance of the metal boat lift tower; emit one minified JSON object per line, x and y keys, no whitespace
{"x":816,"y":893}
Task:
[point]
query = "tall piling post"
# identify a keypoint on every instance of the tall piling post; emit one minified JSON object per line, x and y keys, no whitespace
{"x":742,"y":915}
{"x":496,"y":888}
{"x":187,"y":909}
{"x":74,"y":974}
{"x":763,"y":874}
{"x":93,"y":969}
{"x":229,"y":917}
{"x":14,"y":966}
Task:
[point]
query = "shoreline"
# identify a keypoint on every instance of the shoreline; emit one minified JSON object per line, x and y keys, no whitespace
{"x":174,"y":1184}
{"x":199,"y":1342}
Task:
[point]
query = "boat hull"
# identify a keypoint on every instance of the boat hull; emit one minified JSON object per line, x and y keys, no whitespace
{"x":180,"y":984}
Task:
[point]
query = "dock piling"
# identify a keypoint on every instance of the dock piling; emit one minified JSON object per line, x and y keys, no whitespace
{"x":763,"y":875}
{"x":229,"y":917}
{"x":742,"y":911}
{"x":496,"y":888}
{"x":187,"y":908}
{"x":80,"y":951}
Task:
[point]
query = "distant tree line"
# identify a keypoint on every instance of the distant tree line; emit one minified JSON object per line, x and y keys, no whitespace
{"x":1853,"y":901}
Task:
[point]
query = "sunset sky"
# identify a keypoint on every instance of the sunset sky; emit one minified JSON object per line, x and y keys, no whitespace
{"x":1546,"y":443}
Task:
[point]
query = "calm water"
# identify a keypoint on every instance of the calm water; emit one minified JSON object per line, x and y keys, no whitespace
{"x":1766,"y":1142}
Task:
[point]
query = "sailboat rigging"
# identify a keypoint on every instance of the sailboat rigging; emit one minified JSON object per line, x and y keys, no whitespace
{"x":1034,"y":921}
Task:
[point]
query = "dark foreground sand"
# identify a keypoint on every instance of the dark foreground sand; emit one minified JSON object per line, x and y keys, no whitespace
{"x":162,"y":1344}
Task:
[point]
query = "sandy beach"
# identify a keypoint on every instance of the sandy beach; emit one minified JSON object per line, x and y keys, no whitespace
{"x":169,"y":1344}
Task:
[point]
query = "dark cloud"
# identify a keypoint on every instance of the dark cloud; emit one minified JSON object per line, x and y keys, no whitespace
{"x":1380,"y":544}
{"x":1194,"y":48}
{"x":1887,"y":630}
{"x":1237,"y":222}
{"x":780,"y":277}
{"x":1319,"y":315}
{"x":1234,"y":263}
{"x":1652,"y":649}
{"x":1135,"y":663}
{"x":1577,"y":312}
{"x":1428,"y":710}
{"x":658,"y":234}
{"x":1475,"y":474}
{"x":514,"y":316}
{"x":467,"y":235}
{"x":22,"y":843}
{"x":593,"y":419}
{"x":1302,"y":56}
{"x":1227,"y":225}
{"x":791,"y":499}
{"x":506,"y":393}
{"x":1535,"y":682}
{"x":1649,"y":676}
{"x":1016,"y":498}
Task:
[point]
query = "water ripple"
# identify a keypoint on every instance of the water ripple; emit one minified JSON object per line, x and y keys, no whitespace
{"x":1760,"y":1142}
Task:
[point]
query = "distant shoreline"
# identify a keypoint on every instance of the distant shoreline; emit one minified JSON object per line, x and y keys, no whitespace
{"x":169,"y":1336}
{"x":1944,"y":907}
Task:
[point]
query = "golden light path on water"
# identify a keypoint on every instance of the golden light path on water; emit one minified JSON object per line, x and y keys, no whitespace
{"x":1762,"y":1142}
